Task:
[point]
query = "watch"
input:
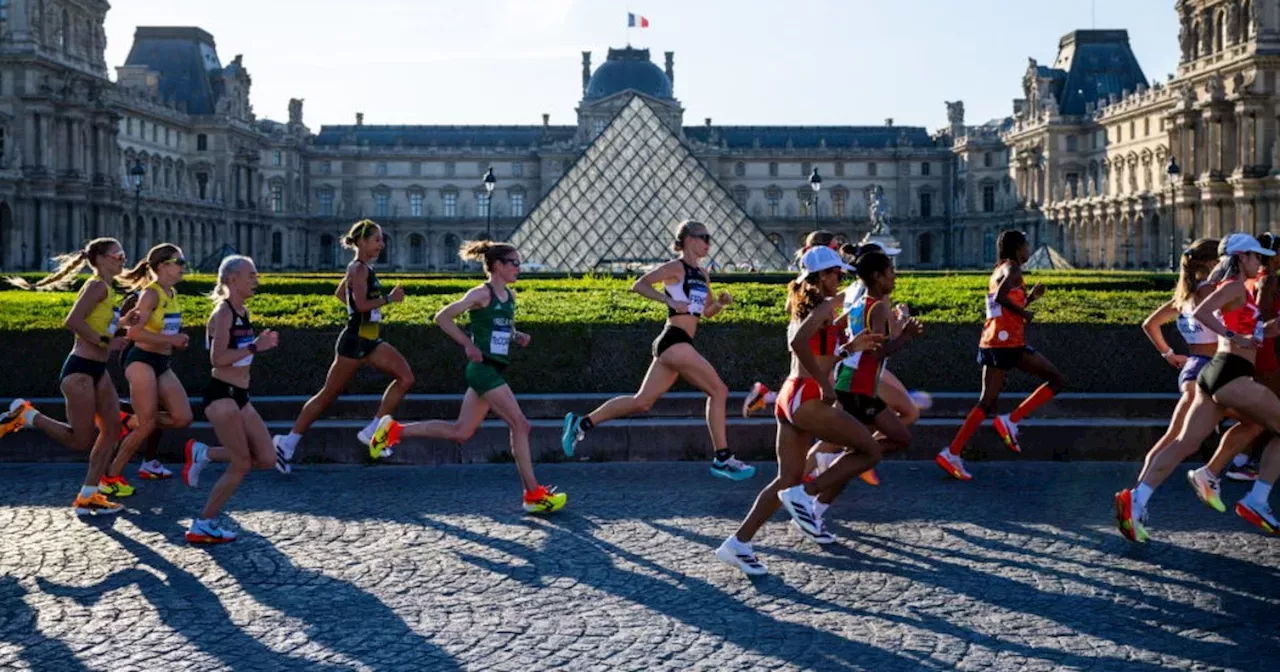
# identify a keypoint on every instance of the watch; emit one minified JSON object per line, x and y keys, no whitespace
{"x":1229,"y":334}
{"x":253,"y":348}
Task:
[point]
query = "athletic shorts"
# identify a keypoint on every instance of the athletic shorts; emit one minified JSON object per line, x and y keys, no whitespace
{"x":158,"y":363}
{"x":861,"y":406}
{"x":671,"y":335}
{"x":350,"y":345}
{"x":76,"y":364}
{"x":1221,"y":370}
{"x":217,"y":390}
{"x":796,"y":392}
{"x":1003,"y":358}
{"x":1191,"y":370}
{"x":485,"y":376}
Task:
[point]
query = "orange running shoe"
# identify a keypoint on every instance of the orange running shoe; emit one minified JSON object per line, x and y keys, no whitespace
{"x":95,"y":505}
{"x":544,"y":500}
{"x":755,"y":400}
{"x":952,"y":464}
{"x":1129,"y":524}
{"x":870,"y":477}
{"x":11,"y":421}
{"x":1257,"y":514}
{"x":1008,"y":431}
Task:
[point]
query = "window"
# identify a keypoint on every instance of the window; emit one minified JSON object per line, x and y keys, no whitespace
{"x":385,"y":254}
{"x":451,"y":203}
{"x":1133,"y":126}
{"x":277,"y":198}
{"x":773,"y":169}
{"x":128,"y":126}
{"x":202,"y":143}
{"x":415,"y":168}
{"x":926,"y":204}
{"x":597,"y":127}
{"x":64,"y":37}
{"x":325,"y":199}
{"x":805,"y":169}
{"x":482,"y":205}
{"x":417,"y":250}
{"x":1073,"y":185}
{"x":380,"y":202}
{"x":155,"y":133}
{"x":739,"y":169}
{"x":517,"y":205}
{"x":774,"y":196}
{"x":277,"y":248}
{"x":166,"y":137}
{"x":450,"y":169}
{"x":1072,"y":143}
{"x":276,"y":157}
{"x":925,"y":169}
{"x":415,"y":204}
{"x":839,"y":169}
{"x":517,"y":169}
{"x":142,"y":129}
{"x":837,"y":203}
{"x":202,"y":185}
{"x":924,"y":248}
{"x":326,"y":167}
{"x":988,"y":198}
{"x":776,"y":239}
{"x":740,"y":195}
{"x":381,"y":169}
{"x":872,"y":170}
{"x":1146,"y":126}
{"x":326,"y":250}
{"x":986,"y":159}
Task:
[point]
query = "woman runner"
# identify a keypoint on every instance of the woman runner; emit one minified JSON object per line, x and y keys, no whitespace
{"x":493,"y":329}
{"x":806,"y":410}
{"x":358,"y":344}
{"x":1226,"y":382}
{"x":156,"y":333}
{"x":151,"y":468}
{"x":1002,"y":348}
{"x":686,"y":292}
{"x":246,"y":443}
{"x":89,"y":393}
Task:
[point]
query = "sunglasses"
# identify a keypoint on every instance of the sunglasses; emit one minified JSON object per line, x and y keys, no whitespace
{"x":118,"y":256}
{"x":176,"y":261}
{"x":511,"y":262}
{"x":704,"y":237}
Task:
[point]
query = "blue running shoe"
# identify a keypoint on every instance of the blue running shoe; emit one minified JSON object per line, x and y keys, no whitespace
{"x":571,"y":434}
{"x":732,"y":469}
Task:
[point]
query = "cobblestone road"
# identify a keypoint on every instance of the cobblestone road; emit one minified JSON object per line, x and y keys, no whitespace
{"x":434,"y":569}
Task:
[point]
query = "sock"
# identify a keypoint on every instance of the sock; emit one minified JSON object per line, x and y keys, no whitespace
{"x":1141,"y":495}
{"x":819,"y":508}
{"x":770,"y":398}
{"x":585,"y":424}
{"x":87,"y":491}
{"x":971,"y":424}
{"x":1261,"y":491}
{"x":723,"y":455}
{"x":1239,"y":460}
{"x":373,"y":424}
{"x":1036,"y":400}
{"x":292,"y":440}
{"x":29,"y":417}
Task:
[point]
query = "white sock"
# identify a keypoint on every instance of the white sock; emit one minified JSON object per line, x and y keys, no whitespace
{"x":1239,"y":460}
{"x":373,"y":424}
{"x":1261,"y":491}
{"x":29,"y":417}
{"x":292,"y":440}
{"x":819,"y":508}
{"x":770,"y":398}
{"x":1141,"y":495}
{"x":87,"y":491}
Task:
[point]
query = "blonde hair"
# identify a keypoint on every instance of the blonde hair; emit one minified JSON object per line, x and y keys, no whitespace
{"x":68,"y":265}
{"x":229,"y":267}
{"x":684,"y":230}
{"x":1193,"y":268}
{"x":139,"y":276}
{"x":359,"y":231}
{"x":485,"y":251}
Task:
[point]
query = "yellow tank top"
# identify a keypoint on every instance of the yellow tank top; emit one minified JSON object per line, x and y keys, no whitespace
{"x":166,"y":319}
{"x":105,"y":317}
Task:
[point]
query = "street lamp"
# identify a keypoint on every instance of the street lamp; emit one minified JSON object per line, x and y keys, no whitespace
{"x":489,"y":183}
{"x":815,"y":183}
{"x":1174,"y":171}
{"x":137,"y":173}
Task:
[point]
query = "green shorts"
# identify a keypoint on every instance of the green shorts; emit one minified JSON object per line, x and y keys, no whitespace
{"x":485,"y":376}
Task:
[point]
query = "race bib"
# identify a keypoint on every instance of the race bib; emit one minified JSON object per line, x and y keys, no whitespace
{"x":994,"y":309}
{"x":697,"y":298}
{"x":1188,"y":324}
{"x":500,"y":341}
{"x":172,"y":324}
{"x":1258,"y":329}
{"x":114,"y":324}
{"x":243,"y":342}
{"x":375,"y":315}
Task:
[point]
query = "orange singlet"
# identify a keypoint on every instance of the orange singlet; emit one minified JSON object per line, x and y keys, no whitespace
{"x":1003,"y":329}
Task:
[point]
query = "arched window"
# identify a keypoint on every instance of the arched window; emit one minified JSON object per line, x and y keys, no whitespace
{"x":924,"y":248}
{"x":168,"y":230}
{"x":417,"y":250}
{"x":739,"y":169}
{"x":277,"y":248}
{"x":776,"y":239}
{"x":989,"y":247}
{"x":326,"y":251}
{"x":451,"y":246}
{"x":64,"y":37}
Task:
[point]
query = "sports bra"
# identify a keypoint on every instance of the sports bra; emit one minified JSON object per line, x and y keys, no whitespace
{"x":692,"y":290}
{"x":1243,"y":320}
{"x":240,"y":335}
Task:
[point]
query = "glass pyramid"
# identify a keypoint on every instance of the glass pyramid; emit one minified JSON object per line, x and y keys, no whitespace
{"x":618,"y":206}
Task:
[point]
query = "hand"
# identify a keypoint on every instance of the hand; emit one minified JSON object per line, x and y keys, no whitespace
{"x":130,"y":319}
{"x":902,"y":311}
{"x":865,"y":341}
{"x":828,"y":393}
{"x":266,"y":340}
{"x":1036,"y":292}
{"x":179,"y":341}
{"x":523,"y":339}
{"x":396,"y":295}
{"x":912,"y":328}
{"x":473,"y":353}
{"x":117,"y":344}
{"x":1176,"y":361}
{"x":725,"y":299}
{"x":1027,"y":316}
{"x":681,"y":307}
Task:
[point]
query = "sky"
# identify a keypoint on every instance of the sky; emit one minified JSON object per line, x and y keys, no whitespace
{"x":745,"y":62}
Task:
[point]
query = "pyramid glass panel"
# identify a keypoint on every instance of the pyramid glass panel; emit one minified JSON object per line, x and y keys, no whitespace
{"x":618,"y":206}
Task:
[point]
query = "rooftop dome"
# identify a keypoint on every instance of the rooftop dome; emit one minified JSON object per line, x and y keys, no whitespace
{"x":628,"y":69}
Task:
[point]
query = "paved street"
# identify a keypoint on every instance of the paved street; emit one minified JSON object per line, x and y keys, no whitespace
{"x":435,"y":569}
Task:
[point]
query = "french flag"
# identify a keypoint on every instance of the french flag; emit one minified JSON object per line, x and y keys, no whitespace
{"x":634,"y":21}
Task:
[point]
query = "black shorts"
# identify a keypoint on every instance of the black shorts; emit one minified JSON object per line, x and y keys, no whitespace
{"x":1004,"y":358}
{"x":671,"y":335}
{"x":158,"y":363}
{"x":1222,"y":369}
{"x":217,"y":390}
{"x":76,"y":364}
{"x":863,"y":407}
{"x":350,"y":345}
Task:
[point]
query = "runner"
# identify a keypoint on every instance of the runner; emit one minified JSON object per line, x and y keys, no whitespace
{"x":687,"y":294}
{"x":151,"y":469}
{"x":92,"y":406}
{"x":1226,"y":382}
{"x":806,"y":410}
{"x":156,"y":333}
{"x":1002,"y":348}
{"x":358,"y":344}
{"x":493,"y":329}
{"x":246,"y":443}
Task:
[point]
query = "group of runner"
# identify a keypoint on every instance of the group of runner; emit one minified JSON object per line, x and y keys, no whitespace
{"x":838,"y":412}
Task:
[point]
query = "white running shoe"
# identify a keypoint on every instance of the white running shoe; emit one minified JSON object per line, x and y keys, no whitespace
{"x":952,"y":464}
{"x":197,"y":455}
{"x":824,"y":537}
{"x":799,"y":504}
{"x":153,"y":471}
{"x":737,"y":554}
{"x":283,"y":454}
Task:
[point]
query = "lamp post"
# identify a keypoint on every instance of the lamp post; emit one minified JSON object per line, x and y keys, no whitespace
{"x":1174,"y":171}
{"x":815,"y":183}
{"x":136,"y":173}
{"x":489,"y":183}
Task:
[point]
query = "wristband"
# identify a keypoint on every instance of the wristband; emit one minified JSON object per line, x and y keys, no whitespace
{"x":253,"y":348}
{"x":1167,"y":354}
{"x":104,"y":340}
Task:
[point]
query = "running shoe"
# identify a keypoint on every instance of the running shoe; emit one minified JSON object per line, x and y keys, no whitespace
{"x":544,"y":500}
{"x":952,"y":464}
{"x":197,"y":455}
{"x":153,"y":471}
{"x":737,"y":554}
{"x":1207,"y":488}
{"x":96,"y":504}
{"x":799,"y":504}
{"x":385,"y":435}
{"x":116,"y":486}
{"x":1258,"y":513}
{"x":12,"y":420}
{"x":823,"y":537}
{"x":283,"y":455}
{"x":1129,"y":525}
{"x":1246,"y":472}
{"x":755,"y":399}
{"x":870,"y":477}
{"x":204,"y":532}
{"x":732,"y":469}
{"x":1008,"y":431}
{"x":366,"y":437}
{"x":571,"y":433}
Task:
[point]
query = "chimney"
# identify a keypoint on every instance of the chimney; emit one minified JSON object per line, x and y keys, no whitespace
{"x":888,"y":121}
{"x":586,"y":71}
{"x":546,"y":120}
{"x":708,"y":122}
{"x":359,"y":118}
{"x":671,"y":68}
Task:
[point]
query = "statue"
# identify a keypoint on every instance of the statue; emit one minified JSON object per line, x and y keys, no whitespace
{"x":955,"y":112}
{"x":295,"y":110}
{"x":878,"y":211}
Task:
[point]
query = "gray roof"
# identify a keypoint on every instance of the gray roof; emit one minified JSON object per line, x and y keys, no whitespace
{"x":445,"y":136}
{"x":1092,"y":65}
{"x":184,"y":69}
{"x":628,"y":69}
{"x":808,"y":137}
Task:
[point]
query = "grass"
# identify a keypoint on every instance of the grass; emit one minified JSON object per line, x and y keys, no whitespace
{"x":306,"y":301}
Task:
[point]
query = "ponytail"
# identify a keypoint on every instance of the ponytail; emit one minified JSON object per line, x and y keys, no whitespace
{"x":229,"y":267}
{"x":139,"y":276}
{"x":803,"y":295}
{"x":359,"y":231}
{"x":68,"y":265}
{"x":485,"y":251}
{"x":1194,"y":265}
